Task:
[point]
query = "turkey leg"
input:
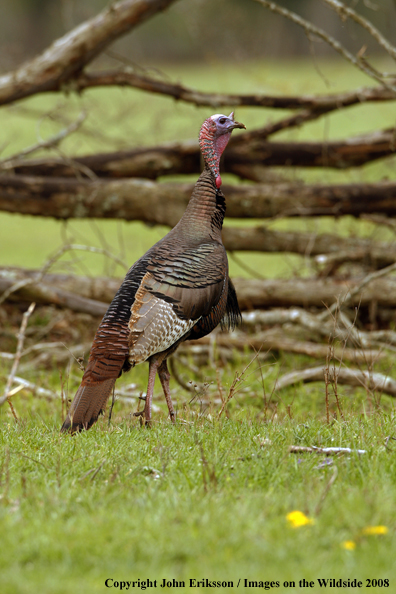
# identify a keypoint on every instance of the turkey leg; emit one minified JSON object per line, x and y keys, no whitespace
{"x":164,"y":376}
{"x":154,"y":363}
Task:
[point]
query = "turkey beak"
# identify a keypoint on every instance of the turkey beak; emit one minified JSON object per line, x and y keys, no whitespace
{"x":238,"y":125}
{"x":235,"y":124}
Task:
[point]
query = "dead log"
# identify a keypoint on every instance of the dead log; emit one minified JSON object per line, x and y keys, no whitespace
{"x":64,"y":198}
{"x":164,"y":203}
{"x":325,"y":247}
{"x":46,"y":293}
{"x":241,"y":157}
{"x":150,"y":162}
{"x":256,"y":150}
{"x":312,"y":292}
{"x":98,"y":289}
{"x":252,"y":294}
{"x":279,"y":341}
{"x":374,"y":382}
{"x":338,"y":330}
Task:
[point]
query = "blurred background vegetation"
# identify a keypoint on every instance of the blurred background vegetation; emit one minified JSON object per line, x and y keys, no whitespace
{"x":193,"y":31}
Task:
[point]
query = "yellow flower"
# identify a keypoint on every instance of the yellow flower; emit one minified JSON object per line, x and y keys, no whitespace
{"x":297,"y":519}
{"x":370,"y":530}
{"x":349,"y":545}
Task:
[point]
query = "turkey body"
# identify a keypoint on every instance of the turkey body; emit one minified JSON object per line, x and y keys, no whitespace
{"x":179,"y":290}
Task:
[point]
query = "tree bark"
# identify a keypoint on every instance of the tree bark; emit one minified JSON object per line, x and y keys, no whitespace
{"x":252,"y":293}
{"x":312,"y":292}
{"x":80,"y":81}
{"x":164,"y":203}
{"x":255,"y":150}
{"x":326,"y":248}
{"x":278,"y":341}
{"x":373,"y":382}
{"x":320,"y":103}
{"x":48,"y":294}
{"x":241,"y":158}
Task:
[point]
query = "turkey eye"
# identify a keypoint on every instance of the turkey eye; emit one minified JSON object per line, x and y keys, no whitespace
{"x":222,"y":120}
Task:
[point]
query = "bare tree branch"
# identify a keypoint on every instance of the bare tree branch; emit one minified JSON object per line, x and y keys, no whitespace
{"x":314,"y":326}
{"x":320,"y":103}
{"x":21,"y":340}
{"x":52,"y":142}
{"x":349,"y":297}
{"x":311,"y":292}
{"x":312,"y":29}
{"x":66,"y":57}
{"x":346,"y":11}
{"x":327,"y":451}
{"x":25,"y":286}
{"x":25,"y":384}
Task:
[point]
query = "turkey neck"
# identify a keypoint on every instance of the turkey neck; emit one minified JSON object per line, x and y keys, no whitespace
{"x":205,"y":212}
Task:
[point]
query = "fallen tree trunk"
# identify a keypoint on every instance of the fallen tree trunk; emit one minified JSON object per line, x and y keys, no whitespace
{"x":339,"y":154}
{"x":164,"y":203}
{"x":98,"y":289}
{"x":330,"y":248}
{"x":46,"y":293}
{"x":373,"y":382}
{"x":336,"y":330}
{"x":252,"y":294}
{"x":277,"y":341}
{"x":241,"y":157}
{"x":312,"y":292}
{"x":150,"y":162}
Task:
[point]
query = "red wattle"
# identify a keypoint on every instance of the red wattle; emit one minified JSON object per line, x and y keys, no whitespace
{"x":218,"y":182}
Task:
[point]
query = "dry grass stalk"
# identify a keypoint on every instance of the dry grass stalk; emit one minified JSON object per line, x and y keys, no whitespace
{"x":239,"y":377}
{"x":11,"y":376}
{"x":326,"y":490}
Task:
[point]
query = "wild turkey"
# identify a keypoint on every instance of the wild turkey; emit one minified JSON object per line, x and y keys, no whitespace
{"x":179,"y":290}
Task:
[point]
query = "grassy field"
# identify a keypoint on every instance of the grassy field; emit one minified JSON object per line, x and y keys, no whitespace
{"x":210,"y":497}
{"x":204,"y":499}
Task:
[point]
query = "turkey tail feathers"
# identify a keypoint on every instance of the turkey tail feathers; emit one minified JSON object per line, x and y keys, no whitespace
{"x":232,"y":317}
{"x":89,"y":401}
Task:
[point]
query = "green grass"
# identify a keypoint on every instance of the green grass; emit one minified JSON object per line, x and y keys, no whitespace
{"x":206,"y":499}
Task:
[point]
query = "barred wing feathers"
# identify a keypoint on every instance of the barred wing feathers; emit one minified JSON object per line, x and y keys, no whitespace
{"x":156,"y":306}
